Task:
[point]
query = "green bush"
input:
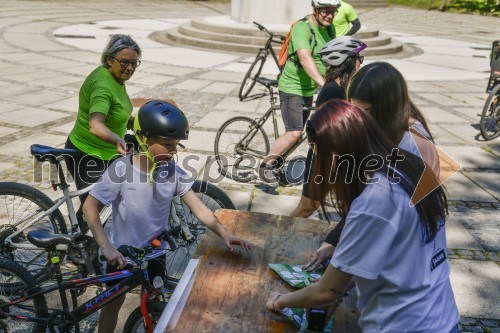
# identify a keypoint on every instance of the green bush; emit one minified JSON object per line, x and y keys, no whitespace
{"x":484,"y":7}
{"x":477,"y":6}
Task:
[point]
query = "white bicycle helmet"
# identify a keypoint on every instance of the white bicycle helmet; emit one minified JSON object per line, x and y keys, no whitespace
{"x":336,"y":51}
{"x":325,"y":3}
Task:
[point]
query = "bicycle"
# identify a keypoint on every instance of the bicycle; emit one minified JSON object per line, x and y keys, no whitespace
{"x":256,"y":68}
{"x":241,"y":142}
{"x":490,"y":118}
{"x":23,"y":302}
{"x":24,"y":208}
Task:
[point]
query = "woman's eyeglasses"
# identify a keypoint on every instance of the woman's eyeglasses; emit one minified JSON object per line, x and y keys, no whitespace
{"x":124,"y":63}
{"x":360,"y":58}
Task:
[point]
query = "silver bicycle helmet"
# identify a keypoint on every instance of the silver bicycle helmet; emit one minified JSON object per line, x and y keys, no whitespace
{"x":336,"y":51}
{"x":325,"y":3}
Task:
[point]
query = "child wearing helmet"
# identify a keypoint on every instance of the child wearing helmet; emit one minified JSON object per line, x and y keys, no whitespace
{"x":140,"y":189}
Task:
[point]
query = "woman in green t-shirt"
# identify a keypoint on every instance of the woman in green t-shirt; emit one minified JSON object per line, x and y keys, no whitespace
{"x":104,"y":108}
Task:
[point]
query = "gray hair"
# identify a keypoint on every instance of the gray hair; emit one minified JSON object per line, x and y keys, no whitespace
{"x":116,"y":44}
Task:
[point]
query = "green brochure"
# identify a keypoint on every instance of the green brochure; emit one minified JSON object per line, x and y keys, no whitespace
{"x":295,"y":275}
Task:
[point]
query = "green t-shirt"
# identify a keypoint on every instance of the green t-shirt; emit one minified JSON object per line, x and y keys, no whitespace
{"x":294,"y":79}
{"x":345,"y":14}
{"x":101,"y":93}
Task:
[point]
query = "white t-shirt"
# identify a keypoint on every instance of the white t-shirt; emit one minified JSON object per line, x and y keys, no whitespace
{"x":403,"y":284}
{"x":140,"y":209}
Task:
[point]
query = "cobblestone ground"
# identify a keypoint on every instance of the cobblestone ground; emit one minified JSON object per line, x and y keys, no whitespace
{"x":40,"y":78}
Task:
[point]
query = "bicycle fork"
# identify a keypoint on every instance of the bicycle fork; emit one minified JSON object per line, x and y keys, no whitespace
{"x":177,"y":214}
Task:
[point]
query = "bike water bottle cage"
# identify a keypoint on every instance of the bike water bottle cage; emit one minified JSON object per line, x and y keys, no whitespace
{"x":325,"y":3}
{"x":336,"y":51}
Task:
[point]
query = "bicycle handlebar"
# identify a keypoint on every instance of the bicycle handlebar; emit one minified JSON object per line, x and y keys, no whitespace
{"x":135,"y":253}
{"x":272,"y":34}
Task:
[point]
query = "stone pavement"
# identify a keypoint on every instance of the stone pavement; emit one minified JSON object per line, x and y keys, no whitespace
{"x":48,"y":47}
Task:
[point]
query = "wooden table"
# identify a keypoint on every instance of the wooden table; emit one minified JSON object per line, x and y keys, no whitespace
{"x":226,"y":291}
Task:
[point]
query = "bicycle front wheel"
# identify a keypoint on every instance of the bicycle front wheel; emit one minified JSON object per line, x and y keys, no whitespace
{"x":239,"y":147}
{"x":19,"y":204}
{"x":490,"y":118}
{"x":251,"y":77}
{"x":212,"y":197}
{"x":15,"y":282}
{"x":135,"y":322}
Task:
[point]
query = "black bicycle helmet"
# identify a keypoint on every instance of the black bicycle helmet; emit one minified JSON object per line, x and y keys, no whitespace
{"x":336,"y":51}
{"x":161,"y":119}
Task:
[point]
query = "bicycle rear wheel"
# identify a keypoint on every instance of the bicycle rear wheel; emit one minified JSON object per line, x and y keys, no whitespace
{"x":212,"y":197}
{"x":251,"y":77}
{"x":19,"y":204}
{"x":15,"y":281}
{"x":239,"y":147}
{"x":490,"y":118}
{"x":135,"y":322}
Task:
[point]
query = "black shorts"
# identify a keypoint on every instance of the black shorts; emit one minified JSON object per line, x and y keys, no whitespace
{"x":156,"y":267}
{"x":292,"y":111}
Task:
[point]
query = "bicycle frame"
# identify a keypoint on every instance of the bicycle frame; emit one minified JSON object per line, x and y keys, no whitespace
{"x":268,"y":48}
{"x":242,"y":146}
{"x":66,"y":198}
{"x":130,"y":279}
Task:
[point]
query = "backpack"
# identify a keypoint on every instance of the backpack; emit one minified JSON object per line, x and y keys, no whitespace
{"x":284,"y":56}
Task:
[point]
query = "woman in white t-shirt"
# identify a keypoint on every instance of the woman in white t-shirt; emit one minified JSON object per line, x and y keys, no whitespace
{"x":393,"y":248}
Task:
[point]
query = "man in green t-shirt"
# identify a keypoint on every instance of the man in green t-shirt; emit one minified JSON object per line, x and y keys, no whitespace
{"x":302,"y":75}
{"x":346,"y":15}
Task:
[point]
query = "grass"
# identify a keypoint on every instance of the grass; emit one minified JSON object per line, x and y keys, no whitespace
{"x":422,"y":4}
{"x":481,"y":7}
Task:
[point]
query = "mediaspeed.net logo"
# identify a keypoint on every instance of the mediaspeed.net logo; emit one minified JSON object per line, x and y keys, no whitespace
{"x":438,"y":168}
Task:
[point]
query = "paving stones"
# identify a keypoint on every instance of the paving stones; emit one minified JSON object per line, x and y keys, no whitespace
{"x":41,"y":75}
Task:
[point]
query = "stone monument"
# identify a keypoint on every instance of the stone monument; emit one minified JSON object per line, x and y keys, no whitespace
{"x":269,"y":11}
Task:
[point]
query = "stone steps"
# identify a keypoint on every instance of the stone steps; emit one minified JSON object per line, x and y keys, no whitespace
{"x":247,"y":39}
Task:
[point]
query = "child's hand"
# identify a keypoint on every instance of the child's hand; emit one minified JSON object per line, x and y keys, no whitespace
{"x":233,"y":240}
{"x":113,"y":257}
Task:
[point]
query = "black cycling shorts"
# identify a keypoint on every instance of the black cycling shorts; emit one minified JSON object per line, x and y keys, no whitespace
{"x":292,"y":111}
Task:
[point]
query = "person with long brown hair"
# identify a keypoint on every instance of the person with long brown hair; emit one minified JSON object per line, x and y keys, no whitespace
{"x":381,"y":89}
{"x":394,"y":249}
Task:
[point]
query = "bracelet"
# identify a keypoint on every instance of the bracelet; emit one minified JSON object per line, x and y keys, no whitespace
{"x":274,"y":301}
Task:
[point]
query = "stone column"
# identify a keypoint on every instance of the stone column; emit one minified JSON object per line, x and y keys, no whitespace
{"x":269,"y":11}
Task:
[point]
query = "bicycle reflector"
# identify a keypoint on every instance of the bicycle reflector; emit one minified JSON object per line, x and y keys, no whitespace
{"x":155,"y":243}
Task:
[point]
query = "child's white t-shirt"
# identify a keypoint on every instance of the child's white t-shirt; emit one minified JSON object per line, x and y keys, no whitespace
{"x":140,"y":209}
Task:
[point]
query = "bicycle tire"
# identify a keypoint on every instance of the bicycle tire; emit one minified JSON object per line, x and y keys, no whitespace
{"x":25,"y":284}
{"x":251,"y":76}
{"x":232,"y":164}
{"x":135,"y":322}
{"x":490,"y":118}
{"x":212,"y":197}
{"x":18,"y":204}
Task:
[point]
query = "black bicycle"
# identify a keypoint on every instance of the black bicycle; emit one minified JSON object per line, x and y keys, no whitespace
{"x":241,"y":143}
{"x":256,"y":68}
{"x":490,"y":118}
{"x":23,"y":303}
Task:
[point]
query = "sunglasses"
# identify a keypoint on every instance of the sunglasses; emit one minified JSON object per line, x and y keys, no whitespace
{"x":360,"y":58}
{"x":327,"y":11}
{"x":124,"y":63}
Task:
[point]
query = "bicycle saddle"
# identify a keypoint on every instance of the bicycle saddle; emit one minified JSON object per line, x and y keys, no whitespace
{"x":268,"y":83}
{"x":46,"y":153}
{"x":45,"y":239}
